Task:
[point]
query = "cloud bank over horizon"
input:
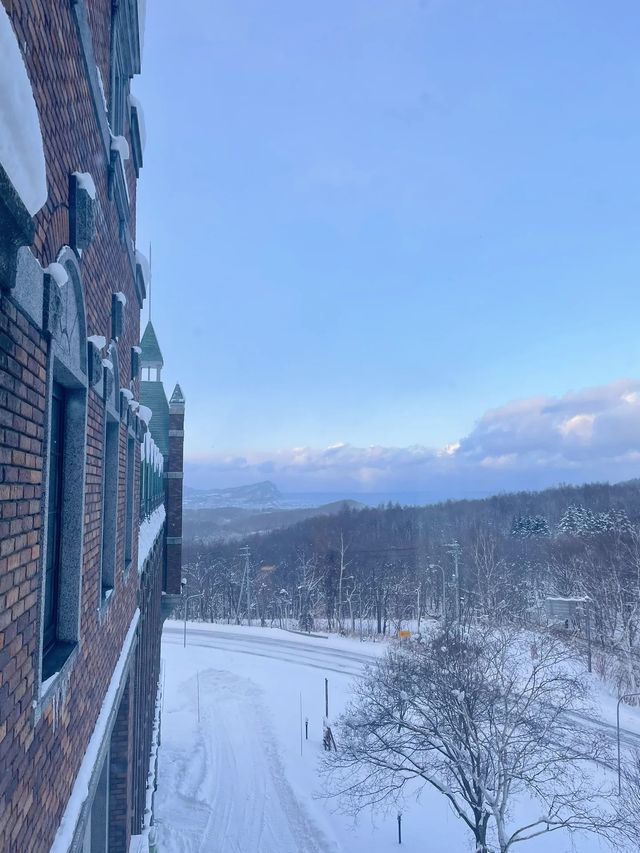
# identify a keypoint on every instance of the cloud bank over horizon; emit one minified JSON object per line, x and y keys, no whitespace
{"x":588,"y":435}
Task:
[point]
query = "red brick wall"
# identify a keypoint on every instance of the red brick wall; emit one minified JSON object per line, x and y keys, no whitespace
{"x":39,"y":759}
{"x":22,"y":359}
{"x":174,"y":502}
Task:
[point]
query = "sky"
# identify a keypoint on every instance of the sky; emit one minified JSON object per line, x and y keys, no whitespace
{"x":385,"y":230}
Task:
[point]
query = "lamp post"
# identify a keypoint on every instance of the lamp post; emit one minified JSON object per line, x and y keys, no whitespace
{"x":621,"y":699}
{"x":187,"y":599}
{"x":444,"y":590}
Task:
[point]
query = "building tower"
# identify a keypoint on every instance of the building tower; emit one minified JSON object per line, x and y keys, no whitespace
{"x":174,"y":476}
{"x":152,"y":392}
{"x":167,"y":430}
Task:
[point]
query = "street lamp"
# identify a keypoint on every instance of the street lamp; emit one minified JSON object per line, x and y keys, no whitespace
{"x":187,"y":599}
{"x":624,"y":696}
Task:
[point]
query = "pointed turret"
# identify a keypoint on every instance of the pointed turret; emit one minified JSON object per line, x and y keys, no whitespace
{"x":177,"y":398}
{"x":152,"y":392}
{"x":151,"y":356}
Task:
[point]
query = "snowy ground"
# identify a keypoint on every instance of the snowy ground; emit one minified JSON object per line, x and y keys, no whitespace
{"x":235,"y":780}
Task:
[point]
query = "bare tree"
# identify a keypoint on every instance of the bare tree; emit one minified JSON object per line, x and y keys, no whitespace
{"x":630,"y":801}
{"x":483,"y":720}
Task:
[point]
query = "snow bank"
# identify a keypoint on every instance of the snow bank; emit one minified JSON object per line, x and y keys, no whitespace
{"x":21,"y":150}
{"x":80,"y":791}
{"x":85,"y":182}
{"x":150,"y":529}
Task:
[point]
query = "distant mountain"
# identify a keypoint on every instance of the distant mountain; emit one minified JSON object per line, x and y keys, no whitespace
{"x":265,"y":495}
{"x":210,"y":523}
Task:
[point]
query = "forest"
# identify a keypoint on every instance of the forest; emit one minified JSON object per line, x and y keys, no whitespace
{"x":378,"y":570}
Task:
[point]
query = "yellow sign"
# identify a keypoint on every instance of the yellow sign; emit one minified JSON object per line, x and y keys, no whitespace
{"x":404,"y":633}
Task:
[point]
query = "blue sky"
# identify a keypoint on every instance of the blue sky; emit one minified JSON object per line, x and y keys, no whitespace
{"x":373,"y":221}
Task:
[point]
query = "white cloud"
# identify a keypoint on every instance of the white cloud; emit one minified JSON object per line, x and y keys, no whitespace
{"x":586,"y":435}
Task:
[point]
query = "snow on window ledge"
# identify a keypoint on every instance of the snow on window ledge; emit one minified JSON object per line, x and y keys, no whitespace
{"x":150,"y":529}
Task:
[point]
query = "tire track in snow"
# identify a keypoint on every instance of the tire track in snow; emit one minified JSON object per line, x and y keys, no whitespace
{"x":301,"y":659}
{"x":226,"y":791}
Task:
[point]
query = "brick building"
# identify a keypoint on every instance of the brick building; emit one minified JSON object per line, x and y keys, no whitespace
{"x":85,"y":555}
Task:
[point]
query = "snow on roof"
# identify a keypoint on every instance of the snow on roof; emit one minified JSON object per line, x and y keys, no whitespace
{"x":137,"y":350}
{"x":146,"y":269}
{"x":142,"y":125}
{"x":127,"y":393}
{"x":106,"y":362}
{"x":58,"y":273}
{"x":120,"y":144}
{"x":99,"y":341}
{"x":21,"y":149}
{"x":121,"y":297}
{"x":85,"y":182}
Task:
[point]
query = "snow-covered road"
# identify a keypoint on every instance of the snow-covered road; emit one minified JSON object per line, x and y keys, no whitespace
{"x":234,"y":773}
{"x":230,"y":791}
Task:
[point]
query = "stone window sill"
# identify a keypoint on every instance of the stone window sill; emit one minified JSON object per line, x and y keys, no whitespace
{"x":56,"y":669}
{"x":105,"y":601}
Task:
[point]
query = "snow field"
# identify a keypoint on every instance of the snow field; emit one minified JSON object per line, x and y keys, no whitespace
{"x":236,"y":780}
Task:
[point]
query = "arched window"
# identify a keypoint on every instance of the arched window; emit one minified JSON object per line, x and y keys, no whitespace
{"x":65,"y":464}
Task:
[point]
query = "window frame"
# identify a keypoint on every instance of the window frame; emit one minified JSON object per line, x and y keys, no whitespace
{"x":67,"y":384}
{"x":110,"y":491}
{"x":54,"y":513}
{"x":129,"y":502}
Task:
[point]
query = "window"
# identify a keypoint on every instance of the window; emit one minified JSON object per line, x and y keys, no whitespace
{"x":96,"y":836}
{"x":63,"y":529}
{"x":119,"y":77}
{"x":131,"y":460}
{"x":54,"y":517}
{"x":109,"y":504}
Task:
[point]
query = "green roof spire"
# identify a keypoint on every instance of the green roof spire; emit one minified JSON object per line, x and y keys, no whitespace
{"x":151,"y":355}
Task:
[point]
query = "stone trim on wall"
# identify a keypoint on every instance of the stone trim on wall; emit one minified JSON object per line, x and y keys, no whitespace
{"x":70,"y":835}
{"x":67,"y":365}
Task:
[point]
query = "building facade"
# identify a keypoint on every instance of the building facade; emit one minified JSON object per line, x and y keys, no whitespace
{"x":84,"y":500}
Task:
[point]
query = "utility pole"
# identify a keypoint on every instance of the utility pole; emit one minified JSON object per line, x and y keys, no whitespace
{"x":454,"y":549}
{"x":444,"y":591}
{"x":187,"y":599}
{"x":244,"y":552}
